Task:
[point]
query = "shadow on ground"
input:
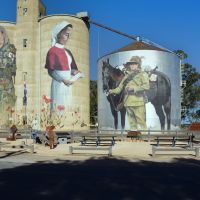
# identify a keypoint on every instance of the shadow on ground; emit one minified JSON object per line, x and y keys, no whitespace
{"x":103,"y":178}
{"x":10,"y":154}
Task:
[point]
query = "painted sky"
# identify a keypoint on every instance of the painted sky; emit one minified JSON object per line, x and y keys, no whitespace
{"x":174,"y":24}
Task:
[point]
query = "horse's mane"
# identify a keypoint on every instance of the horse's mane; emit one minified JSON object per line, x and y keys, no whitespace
{"x":112,"y":70}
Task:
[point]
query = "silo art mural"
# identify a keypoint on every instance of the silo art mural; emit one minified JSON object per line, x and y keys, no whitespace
{"x":7,"y":76}
{"x":44,"y":69}
{"x":140,"y":89}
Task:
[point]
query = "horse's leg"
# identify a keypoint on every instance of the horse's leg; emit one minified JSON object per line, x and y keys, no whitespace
{"x":160,"y":114}
{"x":115,"y":115}
{"x":167,"y":108}
{"x":123,"y":116}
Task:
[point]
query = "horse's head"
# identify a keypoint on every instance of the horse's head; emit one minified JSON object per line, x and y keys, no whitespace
{"x":106,"y":68}
{"x":111,"y":76}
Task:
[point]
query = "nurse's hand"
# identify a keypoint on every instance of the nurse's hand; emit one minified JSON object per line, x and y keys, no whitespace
{"x":67,"y":82}
{"x":76,"y":72}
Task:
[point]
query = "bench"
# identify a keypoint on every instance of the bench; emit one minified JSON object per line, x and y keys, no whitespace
{"x":108,"y":150}
{"x":64,"y":138}
{"x":98,"y":140}
{"x":156,"y":149}
{"x":42,"y":138}
{"x":20,"y":147}
{"x":23,"y":133}
{"x":172,"y":140}
{"x":20,"y":134}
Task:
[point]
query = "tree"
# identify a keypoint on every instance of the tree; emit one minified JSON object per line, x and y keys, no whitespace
{"x":190,"y":91}
{"x":93,"y":102}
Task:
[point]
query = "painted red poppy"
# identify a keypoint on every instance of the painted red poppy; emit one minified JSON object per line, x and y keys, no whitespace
{"x":46,"y":99}
{"x":61,"y":107}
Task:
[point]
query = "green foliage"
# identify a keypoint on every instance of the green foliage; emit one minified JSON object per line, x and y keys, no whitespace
{"x":181,"y":53}
{"x":191,"y":91}
{"x":93,"y":102}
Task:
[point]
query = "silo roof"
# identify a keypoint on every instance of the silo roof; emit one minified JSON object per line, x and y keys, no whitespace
{"x":139,"y":46}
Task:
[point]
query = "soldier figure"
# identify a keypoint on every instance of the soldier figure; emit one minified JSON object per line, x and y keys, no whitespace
{"x":7,"y":73}
{"x":134,"y":84}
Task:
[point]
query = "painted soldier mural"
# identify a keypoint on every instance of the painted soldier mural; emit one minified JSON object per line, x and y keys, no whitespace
{"x":140,"y":86}
{"x":7,"y":74}
{"x":134,"y":84}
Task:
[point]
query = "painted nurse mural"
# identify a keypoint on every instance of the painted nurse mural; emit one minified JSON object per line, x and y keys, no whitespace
{"x":61,"y":66}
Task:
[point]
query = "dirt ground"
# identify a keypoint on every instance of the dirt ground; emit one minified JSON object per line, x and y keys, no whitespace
{"x":126,"y":149}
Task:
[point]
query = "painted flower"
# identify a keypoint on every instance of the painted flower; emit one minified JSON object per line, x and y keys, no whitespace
{"x":46,"y":99}
{"x":43,"y":110}
{"x":60,"y":107}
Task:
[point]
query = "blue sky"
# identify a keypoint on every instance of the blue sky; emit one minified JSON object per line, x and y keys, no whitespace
{"x":174,"y":24}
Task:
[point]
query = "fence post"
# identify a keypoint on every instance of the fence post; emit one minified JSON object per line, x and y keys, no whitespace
{"x":72,"y":137}
{"x":197,"y":151}
{"x":153,"y":151}
{"x":32,"y":148}
{"x":148,"y":135}
{"x":70,"y":150}
{"x":110,"y":151}
{"x":122,"y":134}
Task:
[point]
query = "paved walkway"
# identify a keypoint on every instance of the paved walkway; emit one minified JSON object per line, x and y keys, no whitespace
{"x":130,"y":174}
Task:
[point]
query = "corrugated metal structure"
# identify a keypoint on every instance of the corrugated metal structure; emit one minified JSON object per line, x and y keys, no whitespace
{"x":163,"y":109}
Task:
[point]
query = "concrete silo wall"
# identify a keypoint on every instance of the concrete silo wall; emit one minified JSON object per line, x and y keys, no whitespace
{"x":77,"y":112}
{"x":32,"y":40}
{"x":168,"y":66}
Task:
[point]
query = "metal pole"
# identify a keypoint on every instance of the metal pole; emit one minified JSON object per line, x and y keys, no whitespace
{"x":26,"y":122}
{"x":25,"y":104}
{"x":148,"y":135}
{"x":113,"y":30}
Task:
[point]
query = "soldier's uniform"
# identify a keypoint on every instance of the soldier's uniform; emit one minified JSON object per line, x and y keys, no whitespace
{"x":134,"y":84}
{"x":7,"y":71}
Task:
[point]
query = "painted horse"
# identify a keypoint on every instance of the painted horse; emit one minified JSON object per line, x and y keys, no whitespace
{"x":159,"y":94}
{"x":111,"y":79}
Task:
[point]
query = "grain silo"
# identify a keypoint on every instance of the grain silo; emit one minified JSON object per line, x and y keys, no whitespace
{"x":77,"y":112}
{"x":162,"y":100}
{"x":32,"y":37}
